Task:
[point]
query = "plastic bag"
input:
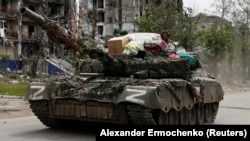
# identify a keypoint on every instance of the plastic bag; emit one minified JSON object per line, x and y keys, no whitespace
{"x":183,"y":54}
{"x":133,"y":47}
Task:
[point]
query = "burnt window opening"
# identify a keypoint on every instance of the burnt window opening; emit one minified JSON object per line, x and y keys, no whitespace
{"x":100,"y":4}
{"x":100,"y":16}
{"x":141,"y":10}
{"x":100,"y":30}
{"x":66,"y":9}
{"x":4,"y":6}
{"x":53,"y":11}
{"x":31,"y":30}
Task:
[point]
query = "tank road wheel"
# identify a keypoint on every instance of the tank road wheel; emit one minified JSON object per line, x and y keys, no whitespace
{"x":215,"y":107}
{"x":163,"y":118}
{"x":139,"y":115}
{"x":183,"y":117}
{"x":173,"y":117}
{"x":200,"y":114}
{"x":208,"y":113}
{"x":192,"y":116}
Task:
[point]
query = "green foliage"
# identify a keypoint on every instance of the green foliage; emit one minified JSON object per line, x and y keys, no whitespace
{"x":6,"y":87}
{"x":73,"y":58}
{"x":13,"y":89}
{"x":88,"y":40}
{"x":217,"y":40}
{"x":168,"y":17}
{"x":4,"y":57}
{"x":153,"y":20}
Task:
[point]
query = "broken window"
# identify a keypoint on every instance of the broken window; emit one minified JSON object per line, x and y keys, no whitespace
{"x":31,"y":30}
{"x":4,"y":6}
{"x":53,"y":11}
{"x":141,"y":10}
{"x":100,"y":29}
{"x":100,"y":4}
{"x":100,"y":16}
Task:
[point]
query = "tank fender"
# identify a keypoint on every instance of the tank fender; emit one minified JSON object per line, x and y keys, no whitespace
{"x":211,"y":89}
{"x":37,"y":91}
{"x":159,"y":97}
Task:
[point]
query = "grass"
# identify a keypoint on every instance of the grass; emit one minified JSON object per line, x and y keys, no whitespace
{"x":8,"y":88}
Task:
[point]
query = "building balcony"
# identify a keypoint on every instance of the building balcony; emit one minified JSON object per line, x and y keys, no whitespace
{"x":8,"y":13}
{"x":32,"y":36}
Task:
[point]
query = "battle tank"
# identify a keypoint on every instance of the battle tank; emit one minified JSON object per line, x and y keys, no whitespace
{"x":121,"y":89}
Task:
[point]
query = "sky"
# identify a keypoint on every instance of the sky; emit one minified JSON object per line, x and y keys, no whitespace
{"x":198,"y":6}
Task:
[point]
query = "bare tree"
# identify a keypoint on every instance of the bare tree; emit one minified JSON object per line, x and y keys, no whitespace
{"x":223,"y":7}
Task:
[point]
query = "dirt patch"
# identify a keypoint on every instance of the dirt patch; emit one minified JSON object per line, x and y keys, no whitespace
{"x":14,"y":107}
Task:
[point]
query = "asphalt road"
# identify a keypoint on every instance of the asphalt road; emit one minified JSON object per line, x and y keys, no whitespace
{"x":234,"y":109}
{"x":31,"y":129}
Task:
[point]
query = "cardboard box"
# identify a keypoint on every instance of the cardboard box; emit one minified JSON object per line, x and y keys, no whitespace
{"x":116,"y":44}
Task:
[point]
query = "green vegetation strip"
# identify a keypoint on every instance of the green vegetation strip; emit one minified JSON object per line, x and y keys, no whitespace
{"x":7,"y":88}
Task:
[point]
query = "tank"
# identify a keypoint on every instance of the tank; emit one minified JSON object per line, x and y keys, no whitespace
{"x":145,"y":89}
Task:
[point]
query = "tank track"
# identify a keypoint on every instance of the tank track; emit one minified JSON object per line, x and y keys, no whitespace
{"x":199,"y":114}
{"x":138,"y":115}
{"x":41,"y":110}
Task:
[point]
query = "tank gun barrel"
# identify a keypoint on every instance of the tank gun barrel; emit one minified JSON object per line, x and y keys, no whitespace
{"x":66,"y":37}
{"x":56,"y":32}
{"x":32,"y":15}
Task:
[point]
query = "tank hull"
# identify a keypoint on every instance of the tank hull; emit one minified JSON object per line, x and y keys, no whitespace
{"x":127,"y":100}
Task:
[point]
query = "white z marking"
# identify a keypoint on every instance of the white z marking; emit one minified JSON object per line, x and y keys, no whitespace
{"x":39,"y":91}
{"x":134,"y":97}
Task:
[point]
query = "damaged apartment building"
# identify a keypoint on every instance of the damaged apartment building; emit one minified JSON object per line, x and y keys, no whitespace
{"x":22,"y":38}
